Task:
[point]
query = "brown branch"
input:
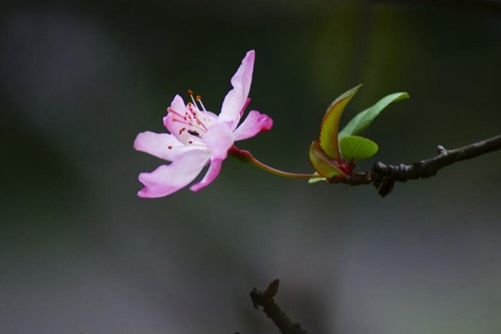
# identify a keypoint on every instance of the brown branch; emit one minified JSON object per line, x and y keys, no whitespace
{"x":384,"y":176}
{"x":273,"y":311}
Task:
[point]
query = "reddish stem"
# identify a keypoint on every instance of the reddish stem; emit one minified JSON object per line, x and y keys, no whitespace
{"x":247,"y":157}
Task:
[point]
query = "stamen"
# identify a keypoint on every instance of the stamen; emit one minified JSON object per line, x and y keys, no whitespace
{"x":178,"y":117}
{"x":190,"y":93}
{"x":193,"y":118}
{"x":199,"y":100}
{"x":197,"y":121}
{"x":174,"y":112}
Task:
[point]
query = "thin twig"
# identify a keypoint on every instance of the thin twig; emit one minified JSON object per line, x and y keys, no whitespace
{"x":273,"y":311}
{"x":384,"y":176}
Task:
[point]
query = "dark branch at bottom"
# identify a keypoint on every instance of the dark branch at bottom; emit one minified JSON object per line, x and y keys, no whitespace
{"x":384,"y":176}
{"x":273,"y":311}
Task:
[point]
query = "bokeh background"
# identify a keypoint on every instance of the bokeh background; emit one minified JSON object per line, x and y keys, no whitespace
{"x":81,"y":253}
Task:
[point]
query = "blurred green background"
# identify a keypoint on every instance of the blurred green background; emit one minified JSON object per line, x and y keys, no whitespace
{"x":80,"y":253}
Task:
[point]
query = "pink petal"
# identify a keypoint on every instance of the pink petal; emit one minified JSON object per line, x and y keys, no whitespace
{"x":168,"y":179}
{"x":219,"y":139}
{"x":212,"y":173}
{"x":177,"y":104}
{"x":160,"y":145}
{"x":252,"y":125}
{"x":177,"y":107}
{"x":236,"y":98}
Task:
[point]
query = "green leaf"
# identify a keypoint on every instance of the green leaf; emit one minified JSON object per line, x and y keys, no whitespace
{"x":356,"y":148}
{"x":330,"y":125}
{"x":321,"y":163}
{"x":360,"y":122}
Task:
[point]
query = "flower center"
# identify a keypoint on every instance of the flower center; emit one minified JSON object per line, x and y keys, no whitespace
{"x":195,"y":120}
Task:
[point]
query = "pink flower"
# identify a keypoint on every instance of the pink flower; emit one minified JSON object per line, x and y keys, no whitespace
{"x":198,"y":137}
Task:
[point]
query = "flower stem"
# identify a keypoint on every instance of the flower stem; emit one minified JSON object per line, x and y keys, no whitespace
{"x":247,"y":157}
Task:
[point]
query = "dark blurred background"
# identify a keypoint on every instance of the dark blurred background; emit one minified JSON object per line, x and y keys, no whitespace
{"x":81,"y":253}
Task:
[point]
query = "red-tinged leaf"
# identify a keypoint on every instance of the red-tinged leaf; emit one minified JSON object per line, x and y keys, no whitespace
{"x":330,"y":125}
{"x":322,"y":164}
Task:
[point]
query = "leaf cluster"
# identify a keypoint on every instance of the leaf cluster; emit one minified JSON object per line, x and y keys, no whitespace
{"x":336,"y":153}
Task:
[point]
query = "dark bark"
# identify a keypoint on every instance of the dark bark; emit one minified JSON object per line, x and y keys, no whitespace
{"x":384,"y":176}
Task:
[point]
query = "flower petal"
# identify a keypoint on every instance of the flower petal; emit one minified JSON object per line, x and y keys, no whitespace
{"x":254,"y":123}
{"x":219,"y":139}
{"x":168,"y":179}
{"x":161,"y":145}
{"x":176,"y":110}
{"x":236,"y":98}
{"x":212,"y":173}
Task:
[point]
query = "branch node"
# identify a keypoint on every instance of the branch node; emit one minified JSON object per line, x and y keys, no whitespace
{"x":401,"y":172}
{"x":384,"y":185}
{"x":383,"y":176}
{"x":379,"y":166}
{"x":441,"y":150}
{"x":273,"y":311}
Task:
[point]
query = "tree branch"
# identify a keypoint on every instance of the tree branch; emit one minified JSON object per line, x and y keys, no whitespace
{"x":273,"y":311}
{"x":384,"y":176}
